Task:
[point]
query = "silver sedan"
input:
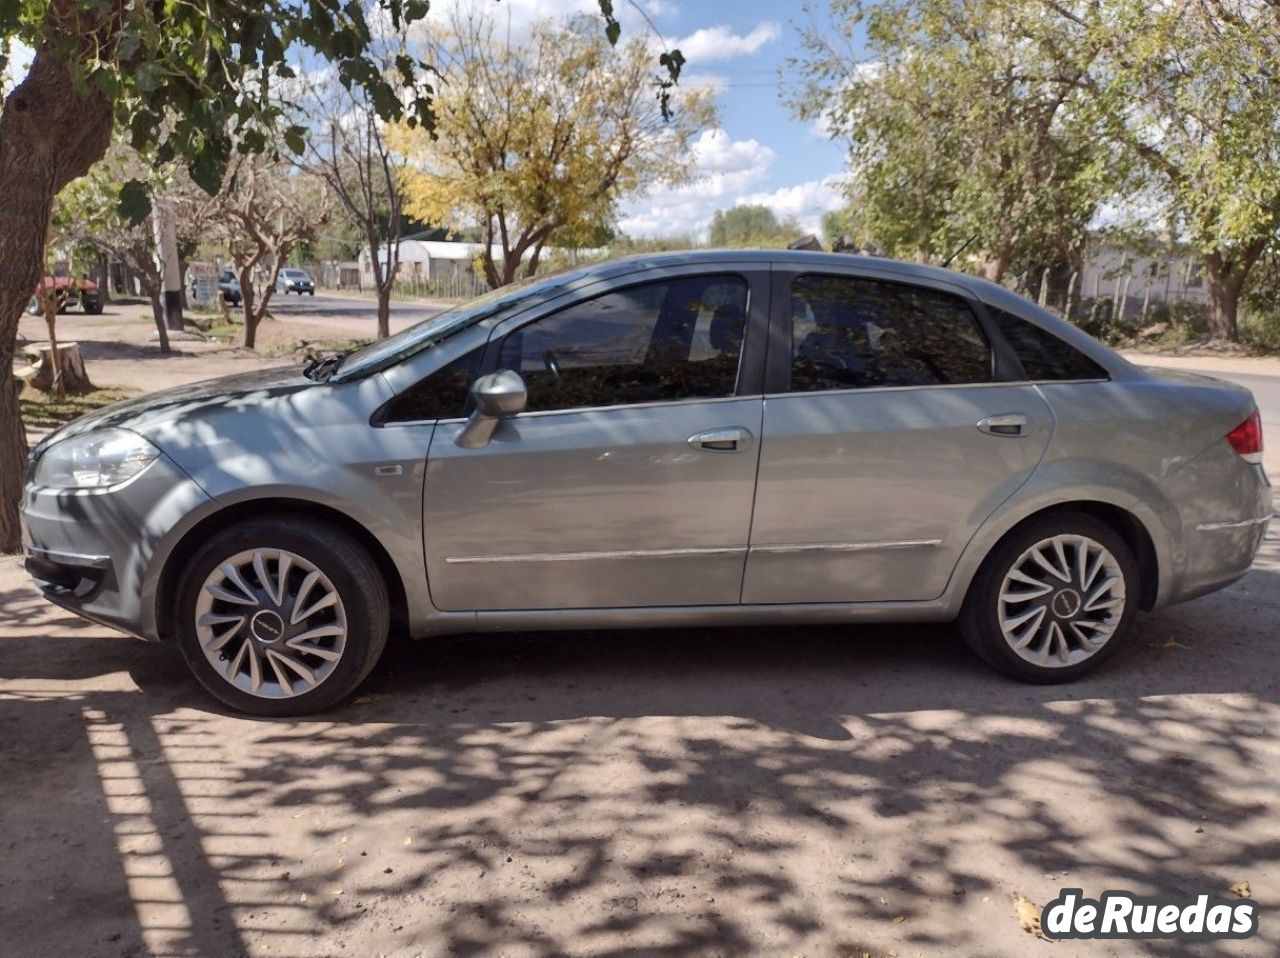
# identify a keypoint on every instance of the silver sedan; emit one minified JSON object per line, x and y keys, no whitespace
{"x":707,"y":438}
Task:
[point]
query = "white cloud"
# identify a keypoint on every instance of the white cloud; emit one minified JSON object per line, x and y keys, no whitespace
{"x":725,"y":169}
{"x":721,"y":43}
{"x":804,"y":202}
{"x":714,"y":83}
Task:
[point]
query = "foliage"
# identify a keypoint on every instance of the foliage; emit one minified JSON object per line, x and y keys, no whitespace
{"x":196,"y":81}
{"x":751,"y":226}
{"x":265,"y":210}
{"x":349,"y":153}
{"x":537,"y":139}
{"x":86,"y":214}
{"x":1193,"y":92}
{"x":962,"y":126}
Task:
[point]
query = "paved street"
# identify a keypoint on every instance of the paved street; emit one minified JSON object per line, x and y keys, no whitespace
{"x":772,"y":792}
{"x":357,"y":313}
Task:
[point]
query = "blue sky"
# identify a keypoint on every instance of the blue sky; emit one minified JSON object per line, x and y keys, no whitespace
{"x":759,"y":153}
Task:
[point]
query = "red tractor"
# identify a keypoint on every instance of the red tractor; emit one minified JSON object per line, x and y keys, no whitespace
{"x":69,"y":292}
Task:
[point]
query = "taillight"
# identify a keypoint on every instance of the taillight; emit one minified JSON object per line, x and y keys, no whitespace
{"x":1246,"y":438}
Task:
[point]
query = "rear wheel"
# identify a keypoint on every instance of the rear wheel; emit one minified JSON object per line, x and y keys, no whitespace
{"x":1053,"y":600}
{"x":281,"y":618}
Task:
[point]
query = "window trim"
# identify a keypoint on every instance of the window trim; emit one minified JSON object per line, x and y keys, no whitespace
{"x":1004,"y":363}
{"x":748,"y":363}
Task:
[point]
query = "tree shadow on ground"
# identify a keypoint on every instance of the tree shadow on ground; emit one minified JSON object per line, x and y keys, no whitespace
{"x":741,"y":791}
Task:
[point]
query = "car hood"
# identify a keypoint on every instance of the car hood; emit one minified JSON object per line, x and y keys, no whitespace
{"x":143,"y":415}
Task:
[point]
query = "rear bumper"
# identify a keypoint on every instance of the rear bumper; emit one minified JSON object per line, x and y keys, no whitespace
{"x":1222,"y":533}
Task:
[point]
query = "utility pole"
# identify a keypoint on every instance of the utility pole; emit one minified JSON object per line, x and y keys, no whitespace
{"x":167,"y":251}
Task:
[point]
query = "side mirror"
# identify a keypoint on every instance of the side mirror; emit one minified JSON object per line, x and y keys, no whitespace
{"x":496,"y":397}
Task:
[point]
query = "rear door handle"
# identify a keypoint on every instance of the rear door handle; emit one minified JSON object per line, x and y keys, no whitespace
{"x":1013,"y":424}
{"x":731,"y":439}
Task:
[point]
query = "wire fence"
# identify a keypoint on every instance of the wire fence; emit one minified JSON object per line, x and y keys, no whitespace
{"x":452,"y":284}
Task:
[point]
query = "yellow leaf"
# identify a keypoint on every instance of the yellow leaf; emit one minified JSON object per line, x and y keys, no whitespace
{"x":1028,"y":913}
{"x":1241,"y":890}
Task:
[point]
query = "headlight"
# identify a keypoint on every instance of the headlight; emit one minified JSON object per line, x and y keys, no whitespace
{"x":94,"y":460}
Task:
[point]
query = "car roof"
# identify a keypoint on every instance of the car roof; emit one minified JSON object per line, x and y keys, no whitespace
{"x":801,"y":258}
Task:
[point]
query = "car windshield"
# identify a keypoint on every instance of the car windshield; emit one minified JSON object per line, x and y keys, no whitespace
{"x":409,"y":342}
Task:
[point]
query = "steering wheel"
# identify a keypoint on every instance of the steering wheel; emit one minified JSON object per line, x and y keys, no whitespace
{"x":553,"y":366}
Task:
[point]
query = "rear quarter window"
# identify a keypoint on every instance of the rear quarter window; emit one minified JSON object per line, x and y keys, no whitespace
{"x":1044,"y":357}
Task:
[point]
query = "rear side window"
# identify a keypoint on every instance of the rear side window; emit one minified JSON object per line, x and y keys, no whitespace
{"x":856,"y":333}
{"x":1044,"y":356}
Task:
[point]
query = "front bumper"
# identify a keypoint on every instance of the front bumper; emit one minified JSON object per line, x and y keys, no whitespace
{"x":99,"y":552}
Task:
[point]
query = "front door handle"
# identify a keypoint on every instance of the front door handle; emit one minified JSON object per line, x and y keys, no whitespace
{"x":1013,"y":424}
{"x":732,"y":439}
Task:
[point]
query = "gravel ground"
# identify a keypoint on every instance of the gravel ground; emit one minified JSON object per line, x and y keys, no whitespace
{"x":779,"y":792}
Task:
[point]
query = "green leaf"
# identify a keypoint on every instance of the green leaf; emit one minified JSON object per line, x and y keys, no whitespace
{"x":295,"y":138}
{"x":135,"y":202}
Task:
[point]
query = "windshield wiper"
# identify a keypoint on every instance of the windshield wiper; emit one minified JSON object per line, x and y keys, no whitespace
{"x":321,"y":369}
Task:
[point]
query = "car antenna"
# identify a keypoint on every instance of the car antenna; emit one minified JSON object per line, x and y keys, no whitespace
{"x":963,"y":246}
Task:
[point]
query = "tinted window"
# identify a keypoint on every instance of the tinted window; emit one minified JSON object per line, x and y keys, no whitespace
{"x":855,"y":333}
{"x":677,"y":339}
{"x":442,"y":395}
{"x":1043,"y":355}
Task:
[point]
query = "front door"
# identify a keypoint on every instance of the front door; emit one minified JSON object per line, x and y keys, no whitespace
{"x":888,"y":445}
{"x":628,"y":481}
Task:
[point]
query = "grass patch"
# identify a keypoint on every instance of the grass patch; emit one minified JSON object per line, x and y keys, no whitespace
{"x":41,"y":412}
{"x":319,"y":347}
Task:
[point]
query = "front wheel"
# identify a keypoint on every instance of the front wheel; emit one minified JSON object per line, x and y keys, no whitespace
{"x":282,"y":618}
{"x":1053,"y":600}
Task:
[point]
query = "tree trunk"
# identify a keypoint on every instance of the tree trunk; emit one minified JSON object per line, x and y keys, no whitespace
{"x":1224,"y":307}
{"x":55,"y":388}
{"x":157,"y":313}
{"x":63,"y":366}
{"x":384,"y":311}
{"x":50,"y":133}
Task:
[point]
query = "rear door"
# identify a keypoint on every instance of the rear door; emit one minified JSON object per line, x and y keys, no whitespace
{"x":629,"y":479}
{"x":887,"y":439}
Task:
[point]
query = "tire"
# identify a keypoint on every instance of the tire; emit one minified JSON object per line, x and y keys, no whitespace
{"x":253,"y":622}
{"x":311,"y":292}
{"x":1083,"y":621}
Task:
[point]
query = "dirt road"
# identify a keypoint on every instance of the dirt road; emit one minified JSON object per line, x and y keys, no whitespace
{"x":813,"y":792}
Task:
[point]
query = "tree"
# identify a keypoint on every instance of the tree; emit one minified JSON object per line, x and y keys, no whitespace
{"x":88,"y":214}
{"x":965,"y":123}
{"x":538,"y":137}
{"x":1193,"y":91}
{"x":348,"y":151}
{"x":751,"y":226}
{"x":189,"y":81}
{"x":266,"y":209}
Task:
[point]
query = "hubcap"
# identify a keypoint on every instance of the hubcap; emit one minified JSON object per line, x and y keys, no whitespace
{"x":1061,"y":601}
{"x":271,"y":623}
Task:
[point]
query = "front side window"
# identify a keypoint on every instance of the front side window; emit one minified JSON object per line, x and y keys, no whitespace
{"x":442,"y":395}
{"x":856,"y":333}
{"x":664,"y":341}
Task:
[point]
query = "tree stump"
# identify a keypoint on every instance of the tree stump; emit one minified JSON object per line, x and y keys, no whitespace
{"x":40,"y":374}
